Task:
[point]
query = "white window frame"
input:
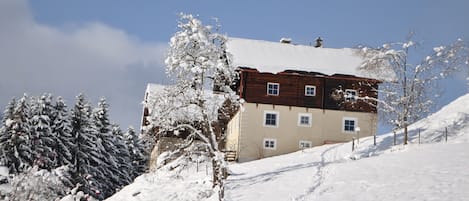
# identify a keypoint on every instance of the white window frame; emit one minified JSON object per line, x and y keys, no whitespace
{"x":273,"y":84}
{"x":355,"y":125}
{"x":277,"y":118}
{"x":300,"y":144}
{"x":310,"y":117}
{"x":306,"y":90}
{"x":269,"y":140}
{"x":350,"y":99}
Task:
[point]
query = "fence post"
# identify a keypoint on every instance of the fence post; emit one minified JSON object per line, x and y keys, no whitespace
{"x":446,"y":134}
{"x":394,"y":138}
{"x":374,"y":139}
{"x":353,"y":144}
{"x":419,"y":135}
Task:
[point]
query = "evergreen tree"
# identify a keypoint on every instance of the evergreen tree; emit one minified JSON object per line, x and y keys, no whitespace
{"x":137,"y":152}
{"x":106,"y":147}
{"x":8,"y":113}
{"x":61,"y":128}
{"x":6,"y":133}
{"x":123,"y":161}
{"x":86,"y":156}
{"x":18,"y":148}
{"x":43,"y":141}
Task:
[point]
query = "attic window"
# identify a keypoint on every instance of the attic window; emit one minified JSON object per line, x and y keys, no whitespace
{"x":350,"y":95}
{"x":310,"y":90}
{"x":273,"y":88}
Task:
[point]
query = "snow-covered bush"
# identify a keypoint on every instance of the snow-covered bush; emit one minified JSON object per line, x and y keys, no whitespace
{"x":40,"y":184}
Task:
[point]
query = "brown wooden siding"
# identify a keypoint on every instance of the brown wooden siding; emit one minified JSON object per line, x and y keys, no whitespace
{"x":252,"y":87}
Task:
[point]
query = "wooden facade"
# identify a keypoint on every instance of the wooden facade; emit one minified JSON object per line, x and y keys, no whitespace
{"x":329,"y":90}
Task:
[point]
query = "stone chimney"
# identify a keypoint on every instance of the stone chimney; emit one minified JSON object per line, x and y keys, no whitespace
{"x":318,"y":42}
{"x":285,"y":40}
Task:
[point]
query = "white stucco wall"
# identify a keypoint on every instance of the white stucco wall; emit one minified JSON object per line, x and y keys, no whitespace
{"x":246,"y":131}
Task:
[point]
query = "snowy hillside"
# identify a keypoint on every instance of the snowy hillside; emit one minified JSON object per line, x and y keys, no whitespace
{"x":433,"y":170}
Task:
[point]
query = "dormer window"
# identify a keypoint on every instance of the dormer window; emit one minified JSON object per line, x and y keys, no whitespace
{"x":350,"y":95}
{"x":273,"y":89}
{"x":310,"y":90}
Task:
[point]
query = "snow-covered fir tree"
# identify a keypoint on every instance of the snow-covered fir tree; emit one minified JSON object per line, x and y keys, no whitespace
{"x":6,"y":132}
{"x":408,"y":93}
{"x":123,"y":161}
{"x":8,"y":112}
{"x":42,"y":138}
{"x":86,"y":155}
{"x":62,"y":130}
{"x":106,"y":145}
{"x":196,"y":61}
{"x":17,"y":149}
{"x":138,"y":157}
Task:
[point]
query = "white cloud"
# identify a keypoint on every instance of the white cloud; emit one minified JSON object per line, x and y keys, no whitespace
{"x":92,"y":58}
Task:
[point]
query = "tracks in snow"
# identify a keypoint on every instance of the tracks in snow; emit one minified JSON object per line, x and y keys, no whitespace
{"x":320,"y":174}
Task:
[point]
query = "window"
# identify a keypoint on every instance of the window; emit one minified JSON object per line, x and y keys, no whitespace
{"x":310,"y":90}
{"x":270,"y":143}
{"x":349,"y":124}
{"x":350,"y":95}
{"x":304,"y":119}
{"x":271,"y":119}
{"x":273,"y":88}
{"x":305,"y":144}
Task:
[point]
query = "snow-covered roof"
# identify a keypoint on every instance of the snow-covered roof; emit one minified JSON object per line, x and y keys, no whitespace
{"x":153,"y":89}
{"x":276,"y":57}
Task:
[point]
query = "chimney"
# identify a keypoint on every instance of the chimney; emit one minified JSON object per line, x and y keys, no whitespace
{"x":318,"y":42}
{"x":285,"y":40}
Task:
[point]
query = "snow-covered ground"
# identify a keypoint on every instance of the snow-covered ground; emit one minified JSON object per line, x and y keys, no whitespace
{"x":192,"y":183}
{"x":433,"y":170}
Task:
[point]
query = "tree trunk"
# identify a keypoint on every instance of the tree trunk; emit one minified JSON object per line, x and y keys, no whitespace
{"x":218,"y":174}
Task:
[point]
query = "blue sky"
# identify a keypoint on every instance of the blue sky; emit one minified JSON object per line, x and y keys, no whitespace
{"x":341,"y":23}
{"x":125,"y":40}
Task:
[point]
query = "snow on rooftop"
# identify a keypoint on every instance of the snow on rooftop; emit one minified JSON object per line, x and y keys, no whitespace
{"x":153,"y":88}
{"x":276,"y":57}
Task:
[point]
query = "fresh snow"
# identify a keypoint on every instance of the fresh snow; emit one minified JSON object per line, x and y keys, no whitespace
{"x":433,"y":170}
{"x":276,"y":57}
{"x":426,"y":172}
{"x":191,"y":184}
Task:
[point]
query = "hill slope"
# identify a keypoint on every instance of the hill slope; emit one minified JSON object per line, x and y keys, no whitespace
{"x":434,"y":170}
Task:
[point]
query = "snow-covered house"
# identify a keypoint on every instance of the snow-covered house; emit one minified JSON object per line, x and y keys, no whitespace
{"x":296,"y":97}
